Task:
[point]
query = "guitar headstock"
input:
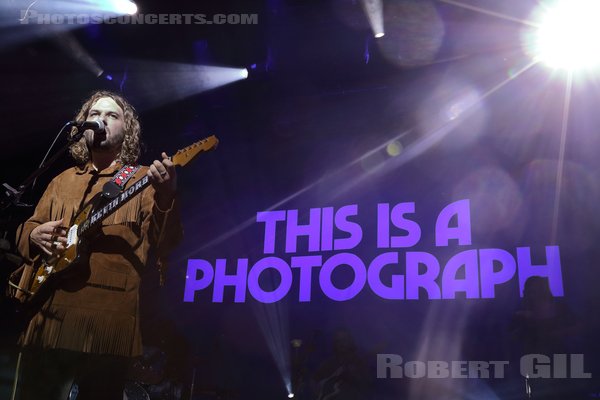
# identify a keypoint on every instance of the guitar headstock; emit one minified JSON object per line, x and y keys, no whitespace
{"x":187,"y":154}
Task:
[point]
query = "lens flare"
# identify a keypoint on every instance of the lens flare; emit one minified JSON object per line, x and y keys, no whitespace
{"x":567,"y":37}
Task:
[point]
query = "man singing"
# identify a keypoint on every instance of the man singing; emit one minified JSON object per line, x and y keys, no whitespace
{"x":88,"y":329}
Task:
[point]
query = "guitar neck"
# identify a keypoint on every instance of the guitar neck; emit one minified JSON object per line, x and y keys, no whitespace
{"x":181,"y":158}
{"x":97,"y":216}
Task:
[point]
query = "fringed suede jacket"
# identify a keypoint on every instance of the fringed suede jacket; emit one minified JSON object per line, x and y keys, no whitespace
{"x":97,"y":309}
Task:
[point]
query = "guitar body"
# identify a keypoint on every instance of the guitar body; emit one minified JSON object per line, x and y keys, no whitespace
{"x":51,"y":269}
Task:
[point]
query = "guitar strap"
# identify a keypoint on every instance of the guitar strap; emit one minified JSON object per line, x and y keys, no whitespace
{"x":114,"y":187}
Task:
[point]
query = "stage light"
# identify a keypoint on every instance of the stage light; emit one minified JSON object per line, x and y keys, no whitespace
{"x":171,"y":81}
{"x":291,"y":396}
{"x":121,"y":7}
{"x":31,"y":20}
{"x":567,"y":36}
{"x":374,"y":11}
{"x":72,"y":48}
{"x":127,"y":7}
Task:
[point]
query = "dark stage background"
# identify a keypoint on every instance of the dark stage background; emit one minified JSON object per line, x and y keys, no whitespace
{"x":443,"y":108}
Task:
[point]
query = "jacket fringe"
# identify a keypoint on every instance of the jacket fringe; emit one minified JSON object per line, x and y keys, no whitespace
{"x":89,"y":331}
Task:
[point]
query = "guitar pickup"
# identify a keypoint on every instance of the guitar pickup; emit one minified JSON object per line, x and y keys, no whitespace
{"x":72,"y":235}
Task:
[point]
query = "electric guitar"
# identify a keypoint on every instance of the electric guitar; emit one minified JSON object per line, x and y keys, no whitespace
{"x":50,"y":268}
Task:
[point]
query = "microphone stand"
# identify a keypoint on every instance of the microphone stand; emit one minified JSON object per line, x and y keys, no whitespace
{"x":12,"y":196}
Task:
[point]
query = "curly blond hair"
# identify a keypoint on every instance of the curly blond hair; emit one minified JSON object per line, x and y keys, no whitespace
{"x":130,"y":149}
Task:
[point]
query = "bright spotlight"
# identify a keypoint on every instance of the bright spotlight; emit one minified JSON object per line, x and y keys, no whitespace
{"x":125,"y":7}
{"x":174,"y":81}
{"x":374,"y":11}
{"x":568,"y":33}
{"x":244,"y":73}
{"x":132,"y":9}
{"x":291,"y":396}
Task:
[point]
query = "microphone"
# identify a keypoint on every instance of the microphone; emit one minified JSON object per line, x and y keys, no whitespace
{"x":96,"y":126}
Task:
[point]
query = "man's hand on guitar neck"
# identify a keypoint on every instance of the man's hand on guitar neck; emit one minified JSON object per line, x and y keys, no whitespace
{"x":51,"y":237}
{"x":164,"y":179}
